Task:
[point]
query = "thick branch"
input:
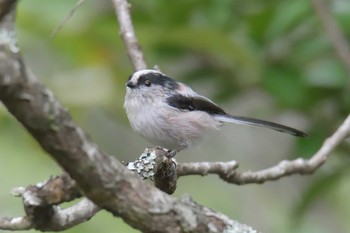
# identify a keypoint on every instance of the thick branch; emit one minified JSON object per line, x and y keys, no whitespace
{"x":102,"y":178}
{"x":128,"y":34}
{"x":62,"y":188}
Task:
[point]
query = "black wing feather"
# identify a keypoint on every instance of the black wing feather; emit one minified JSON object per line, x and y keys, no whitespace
{"x":199,"y":103}
{"x":194,"y":104}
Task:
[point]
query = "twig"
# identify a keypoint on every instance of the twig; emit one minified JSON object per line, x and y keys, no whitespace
{"x":298,"y":166}
{"x":66,"y":218}
{"x":128,"y":34}
{"x":284,"y":168}
{"x":72,"y":11}
{"x":227,"y":171}
{"x":206,"y":168}
{"x":59,"y":219}
{"x":102,"y":178}
{"x":335,"y":35}
{"x":42,"y":193}
{"x":40,"y":204}
{"x":15,"y":223}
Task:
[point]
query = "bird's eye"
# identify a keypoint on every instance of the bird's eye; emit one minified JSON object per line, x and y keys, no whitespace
{"x":147,"y":82}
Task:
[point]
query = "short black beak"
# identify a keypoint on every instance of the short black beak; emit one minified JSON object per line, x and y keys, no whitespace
{"x":130,"y":84}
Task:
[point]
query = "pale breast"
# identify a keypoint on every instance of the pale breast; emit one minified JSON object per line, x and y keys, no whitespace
{"x":166,"y":126}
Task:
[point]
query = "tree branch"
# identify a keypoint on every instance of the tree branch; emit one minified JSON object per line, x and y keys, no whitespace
{"x":42,"y":213}
{"x":70,"y":14}
{"x":228,"y":170}
{"x":128,"y":34}
{"x":101,"y":178}
{"x":206,"y":168}
{"x":335,"y":35}
{"x":62,"y":188}
{"x":298,"y":166}
{"x":15,"y":223}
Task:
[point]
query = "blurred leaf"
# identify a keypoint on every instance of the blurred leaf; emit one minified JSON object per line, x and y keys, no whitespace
{"x":323,"y":184}
{"x":206,"y":40}
{"x":326,"y":73}
{"x":341,"y":12}
{"x":90,"y":86}
{"x":287,"y":15}
{"x":309,"y":146}
{"x":285,"y":85}
{"x":259,"y":21}
{"x":311,"y":48}
{"x":222,"y":48}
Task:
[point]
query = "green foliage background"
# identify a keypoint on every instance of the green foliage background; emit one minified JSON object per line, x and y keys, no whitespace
{"x":267,"y":59}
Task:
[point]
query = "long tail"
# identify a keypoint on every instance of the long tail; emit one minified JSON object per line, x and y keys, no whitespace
{"x":260,"y":123}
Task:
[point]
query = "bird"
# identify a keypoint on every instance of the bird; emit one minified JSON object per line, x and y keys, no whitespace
{"x":171,"y":115}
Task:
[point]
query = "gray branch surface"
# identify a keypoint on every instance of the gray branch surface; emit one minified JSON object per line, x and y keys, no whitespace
{"x":100,"y":177}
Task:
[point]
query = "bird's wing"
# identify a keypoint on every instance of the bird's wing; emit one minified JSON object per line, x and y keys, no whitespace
{"x":194,"y":103}
{"x":201,"y":103}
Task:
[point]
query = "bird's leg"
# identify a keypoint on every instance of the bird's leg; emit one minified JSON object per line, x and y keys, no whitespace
{"x":172,"y":153}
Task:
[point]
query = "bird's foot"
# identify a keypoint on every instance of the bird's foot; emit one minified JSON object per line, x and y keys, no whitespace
{"x":171,"y":154}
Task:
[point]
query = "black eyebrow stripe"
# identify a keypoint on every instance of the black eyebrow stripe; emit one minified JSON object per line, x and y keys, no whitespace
{"x":158,"y":79}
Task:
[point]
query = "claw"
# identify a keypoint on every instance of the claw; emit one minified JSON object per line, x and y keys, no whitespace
{"x":171,"y":154}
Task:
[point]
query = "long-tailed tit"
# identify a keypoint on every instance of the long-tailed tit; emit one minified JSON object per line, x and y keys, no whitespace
{"x":170,"y":114}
